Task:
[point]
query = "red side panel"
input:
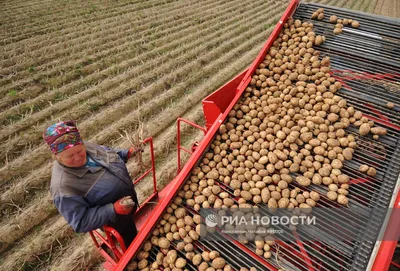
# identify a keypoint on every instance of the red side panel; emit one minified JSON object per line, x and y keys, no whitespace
{"x":217,"y":102}
{"x":387,"y":248}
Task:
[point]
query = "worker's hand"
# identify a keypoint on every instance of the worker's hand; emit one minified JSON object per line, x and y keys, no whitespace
{"x":132,"y":151}
{"x":124,"y":206}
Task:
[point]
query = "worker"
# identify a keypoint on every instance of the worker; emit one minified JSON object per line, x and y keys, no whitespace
{"x":90,"y":184}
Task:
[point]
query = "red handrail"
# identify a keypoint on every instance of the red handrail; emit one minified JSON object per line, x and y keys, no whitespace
{"x":179,"y":120}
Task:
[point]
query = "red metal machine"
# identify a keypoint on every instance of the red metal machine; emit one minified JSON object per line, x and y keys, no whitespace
{"x":364,"y":72}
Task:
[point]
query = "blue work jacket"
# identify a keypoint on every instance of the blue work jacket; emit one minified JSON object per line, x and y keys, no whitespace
{"x":84,"y":196}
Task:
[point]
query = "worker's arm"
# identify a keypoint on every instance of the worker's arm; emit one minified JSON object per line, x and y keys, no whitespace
{"x":81,"y":216}
{"x":123,"y":153}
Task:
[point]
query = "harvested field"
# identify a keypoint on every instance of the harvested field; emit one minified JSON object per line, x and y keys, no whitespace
{"x":111,"y":65}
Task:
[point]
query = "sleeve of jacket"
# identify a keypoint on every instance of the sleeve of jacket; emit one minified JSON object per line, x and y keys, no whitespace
{"x":80,"y":216}
{"x":123,"y":153}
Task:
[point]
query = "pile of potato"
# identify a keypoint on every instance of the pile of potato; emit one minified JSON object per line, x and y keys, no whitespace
{"x":287,"y":132}
{"x":339,"y":23}
{"x":176,"y":234}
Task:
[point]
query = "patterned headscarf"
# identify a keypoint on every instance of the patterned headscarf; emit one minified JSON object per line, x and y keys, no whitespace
{"x":62,"y":136}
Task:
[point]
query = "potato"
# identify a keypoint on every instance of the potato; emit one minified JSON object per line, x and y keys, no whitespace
{"x":147,"y":246}
{"x":332,"y":195}
{"x":189,"y":247}
{"x":364,"y":129}
{"x":143,"y":264}
{"x":333,"y":187}
{"x":206,"y":256}
{"x":246,"y":195}
{"x":272,"y":203}
{"x":342,"y":199}
{"x":197,"y":219}
{"x":337,"y":30}
{"x":214,"y":254}
{"x":342,"y":191}
{"x":314,"y":196}
{"x":283,"y":203}
{"x":314,"y":15}
{"x":196,"y":260}
{"x":343,"y":179}
{"x":364,"y":168}
{"x":218,"y":263}
{"x":355,"y":24}
{"x":180,"y":212}
{"x":347,"y":154}
{"x":213,"y":174}
{"x":378,"y":131}
{"x":317,"y":179}
{"x":337,"y":164}
{"x":265,"y":195}
{"x":333,"y":19}
{"x":180,"y":263}
{"x":163,"y":243}
{"x":171,"y":256}
{"x":199,"y":199}
{"x":371,"y":172}
{"x":390,"y":105}
{"x":318,"y":40}
{"x":142,"y":255}
{"x":304,"y":181}
{"x":180,"y":246}
{"x":311,"y":202}
{"x":132,"y":266}
{"x":203,"y":266}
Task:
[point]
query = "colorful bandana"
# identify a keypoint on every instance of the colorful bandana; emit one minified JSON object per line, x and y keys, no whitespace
{"x":62,"y":136}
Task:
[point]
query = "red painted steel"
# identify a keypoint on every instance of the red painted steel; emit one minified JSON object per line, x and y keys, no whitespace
{"x":217,"y":102}
{"x":395,"y":264}
{"x":303,"y":251}
{"x":386,"y":250}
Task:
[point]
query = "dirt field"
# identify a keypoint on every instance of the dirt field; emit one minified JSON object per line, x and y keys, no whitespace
{"x":110,"y":65}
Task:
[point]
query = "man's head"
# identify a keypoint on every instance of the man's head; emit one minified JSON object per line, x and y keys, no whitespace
{"x":66,"y":144}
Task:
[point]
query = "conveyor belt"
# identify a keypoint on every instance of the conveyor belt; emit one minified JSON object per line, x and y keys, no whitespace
{"x":373,"y":48}
{"x":367,"y":62}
